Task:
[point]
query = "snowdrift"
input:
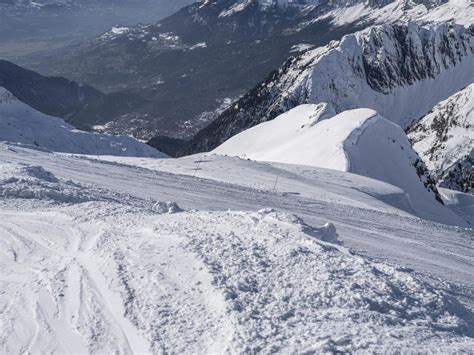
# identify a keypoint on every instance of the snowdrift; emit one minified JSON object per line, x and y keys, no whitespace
{"x":359,"y":141}
{"x":444,"y":139}
{"x":111,"y":281}
{"x":20,"y":123}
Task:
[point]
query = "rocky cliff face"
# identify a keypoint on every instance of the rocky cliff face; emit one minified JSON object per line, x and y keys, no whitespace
{"x":401,"y":71}
{"x":444,"y":139}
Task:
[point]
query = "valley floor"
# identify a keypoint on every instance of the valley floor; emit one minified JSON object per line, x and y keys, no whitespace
{"x":248,"y":257}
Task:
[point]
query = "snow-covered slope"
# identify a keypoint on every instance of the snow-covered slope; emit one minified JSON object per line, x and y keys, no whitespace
{"x":401,"y":71}
{"x":459,"y":202}
{"x":358,"y":141}
{"x":444,"y":139}
{"x":281,"y":139}
{"x":91,"y":263}
{"x":386,"y":11}
{"x":19,"y":123}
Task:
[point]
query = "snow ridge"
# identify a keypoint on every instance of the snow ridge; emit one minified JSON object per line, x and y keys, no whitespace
{"x":444,"y":138}
{"x":387,"y":68}
{"x":359,"y":141}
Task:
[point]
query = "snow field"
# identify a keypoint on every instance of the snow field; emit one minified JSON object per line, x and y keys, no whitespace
{"x":117,"y":281}
{"x":122,"y":272}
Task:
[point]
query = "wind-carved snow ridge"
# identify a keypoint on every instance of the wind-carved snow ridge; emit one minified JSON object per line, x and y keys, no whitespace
{"x":444,"y":139}
{"x":358,"y":141}
{"x":401,"y":71}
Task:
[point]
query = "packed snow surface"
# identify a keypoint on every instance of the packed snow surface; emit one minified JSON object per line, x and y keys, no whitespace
{"x":19,"y":123}
{"x":358,"y":141}
{"x":122,"y":271}
{"x":95,"y":258}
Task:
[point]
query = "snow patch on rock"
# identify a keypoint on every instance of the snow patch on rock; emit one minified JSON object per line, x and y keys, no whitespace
{"x":444,"y":139}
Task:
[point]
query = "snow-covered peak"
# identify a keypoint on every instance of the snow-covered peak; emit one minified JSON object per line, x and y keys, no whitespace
{"x":401,"y":71}
{"x":21,"y":124}
{"x":381,"y":12}
{"x":390,"y":68}
{"x":444,"y":138}
{"x":260,"y":141}
{"x":359,"y":141}
{"x":347,"y":12}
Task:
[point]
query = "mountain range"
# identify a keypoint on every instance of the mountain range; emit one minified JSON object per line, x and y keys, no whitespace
{"x":228,"y":45}
{"x":401,"y":71}
{"x":28,"y":26}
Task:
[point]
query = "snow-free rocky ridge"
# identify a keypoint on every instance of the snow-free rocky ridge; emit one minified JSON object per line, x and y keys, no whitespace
{"x":401,"y":71}
{"x":21,"y":124}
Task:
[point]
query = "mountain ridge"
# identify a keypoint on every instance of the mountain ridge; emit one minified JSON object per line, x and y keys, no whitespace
{"x":444,"y":138}
{"x":348,"y":74}
{"x":21,"y":124}
{"x":166,"y":63}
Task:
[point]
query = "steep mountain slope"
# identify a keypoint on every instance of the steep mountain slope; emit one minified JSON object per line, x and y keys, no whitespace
{"x":53,"y":96}
{"x":401,"y":71}
{"x":444,"y":139}
{"x":358,"y":141}
{"x":77,"y":103}
{"x":210,"y":53}
{"x":196,"y":59}
{"x":28,"y":26}
{"x":22,"y":124}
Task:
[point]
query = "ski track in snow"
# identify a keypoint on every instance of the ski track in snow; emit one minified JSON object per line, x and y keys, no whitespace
{"x":78,"y":284}
{"x":111,"y":272}
{"x":75,"y":289}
